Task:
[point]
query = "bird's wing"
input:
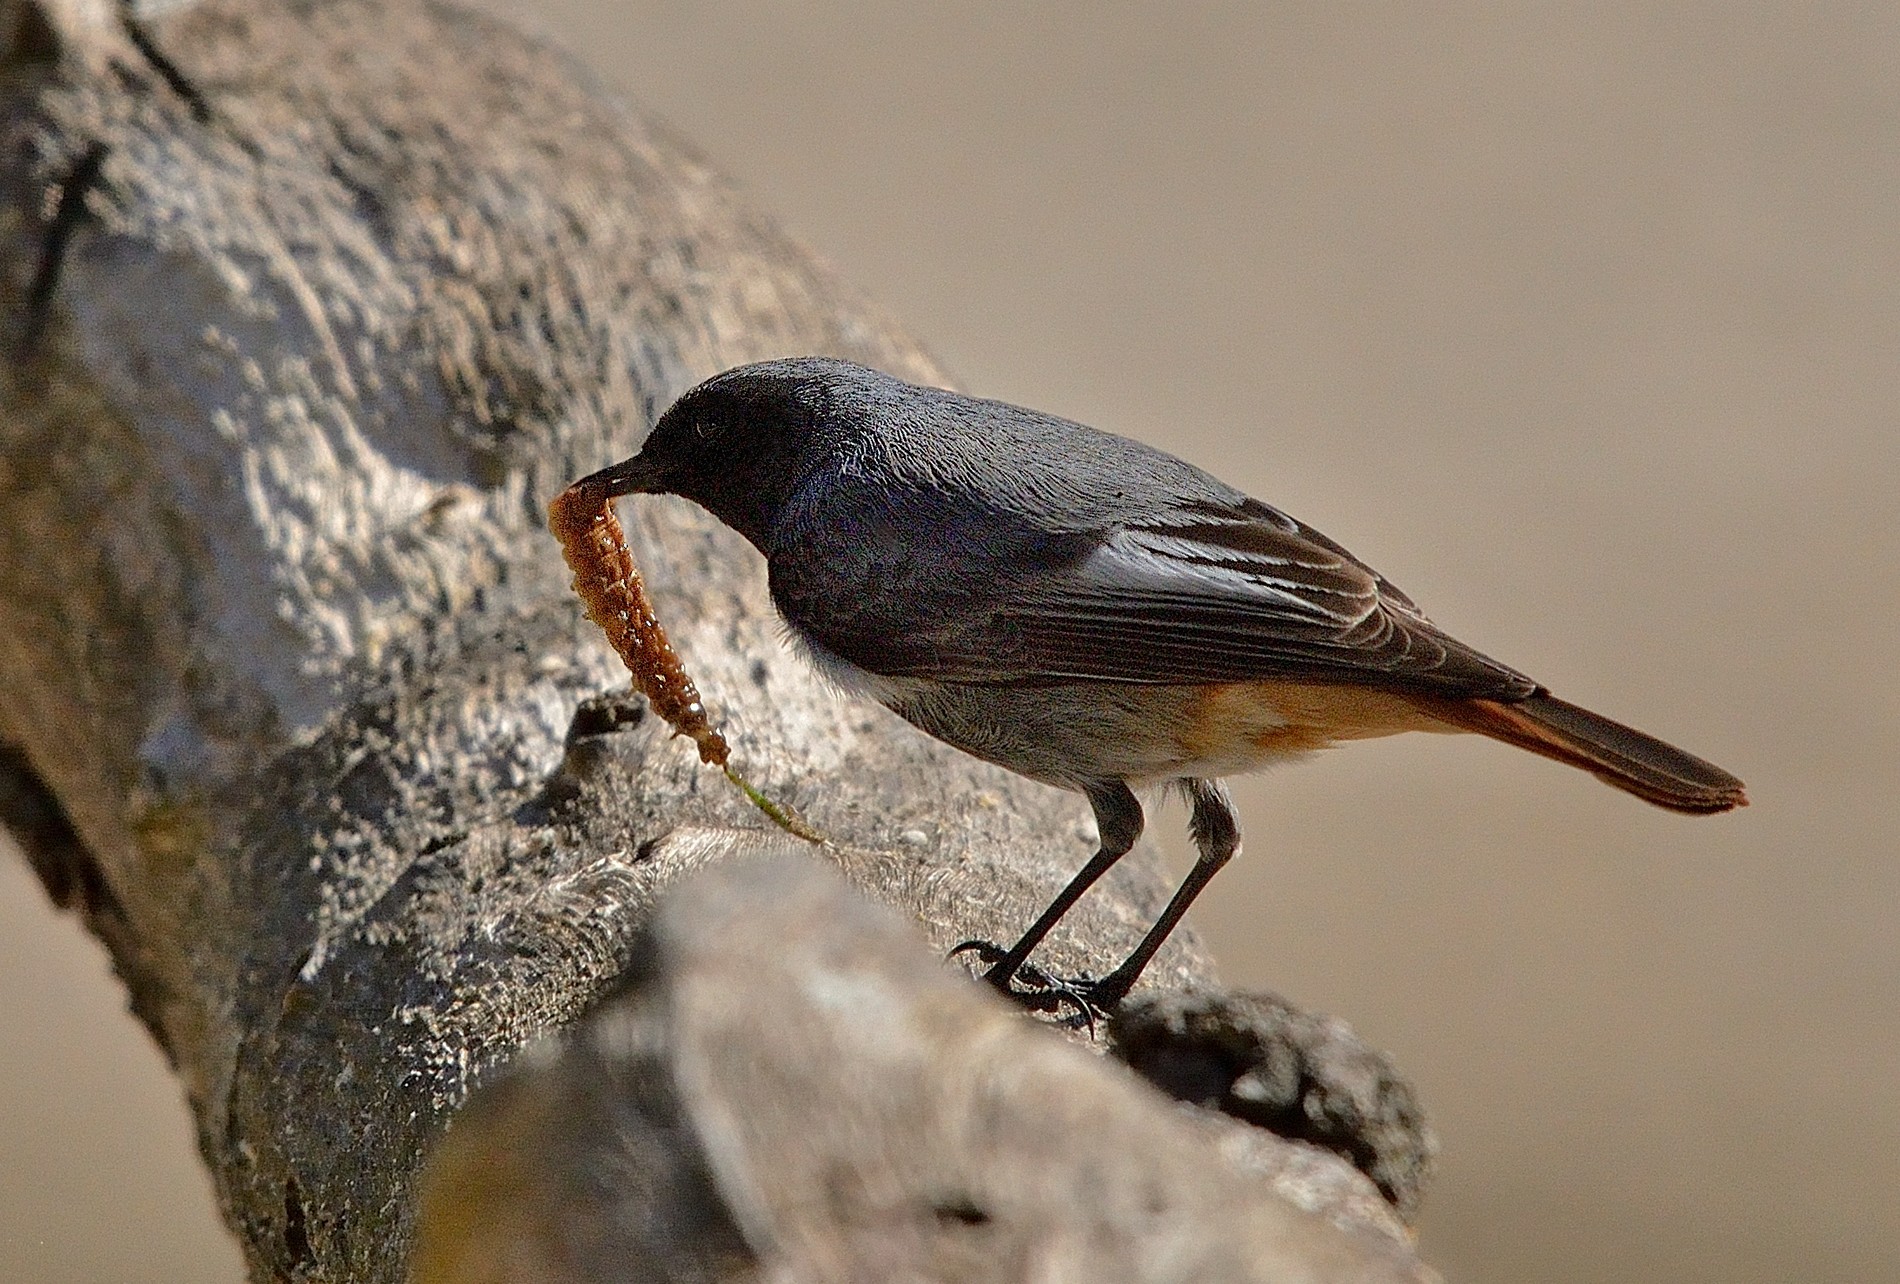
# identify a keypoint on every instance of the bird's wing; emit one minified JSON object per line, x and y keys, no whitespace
{"x":1211,"y":590}
{"x":1221,"y":592}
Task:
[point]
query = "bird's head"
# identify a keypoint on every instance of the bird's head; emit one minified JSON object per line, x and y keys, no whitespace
{"x":739,"y":443}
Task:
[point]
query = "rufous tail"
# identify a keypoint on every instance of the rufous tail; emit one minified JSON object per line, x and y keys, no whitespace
{"x":1613,"y":753}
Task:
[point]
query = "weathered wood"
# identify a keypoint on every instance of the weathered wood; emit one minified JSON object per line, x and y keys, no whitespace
{"x":307,"y":310}
{"x":829,"y":1103}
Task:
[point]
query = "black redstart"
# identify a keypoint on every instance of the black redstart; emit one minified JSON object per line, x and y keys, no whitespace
{"x":1088,"y":611}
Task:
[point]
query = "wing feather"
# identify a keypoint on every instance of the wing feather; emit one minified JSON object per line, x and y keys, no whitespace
{"x":1208,"y":591}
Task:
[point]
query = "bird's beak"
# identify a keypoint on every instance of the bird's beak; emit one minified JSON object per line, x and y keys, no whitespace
{"x":635,"y":476}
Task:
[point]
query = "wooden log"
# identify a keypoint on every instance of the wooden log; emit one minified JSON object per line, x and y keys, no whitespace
{"x":306,"y":312}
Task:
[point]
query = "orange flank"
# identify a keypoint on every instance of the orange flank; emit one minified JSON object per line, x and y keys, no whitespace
{"x":1265,"y":720}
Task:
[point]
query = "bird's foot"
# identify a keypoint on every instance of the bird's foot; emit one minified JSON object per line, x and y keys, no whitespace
{"x":1077,"y":1001}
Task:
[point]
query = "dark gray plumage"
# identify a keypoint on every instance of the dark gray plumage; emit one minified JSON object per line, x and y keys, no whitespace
{"x":1087,"y":610}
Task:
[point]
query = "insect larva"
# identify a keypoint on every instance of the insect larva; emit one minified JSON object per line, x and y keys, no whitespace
{"x":582,"y":518}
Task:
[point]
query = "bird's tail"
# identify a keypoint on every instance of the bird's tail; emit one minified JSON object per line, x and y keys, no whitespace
{"x":1613,"y":753}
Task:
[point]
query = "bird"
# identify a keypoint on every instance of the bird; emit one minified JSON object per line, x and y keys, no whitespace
{"x":1090,"y":612}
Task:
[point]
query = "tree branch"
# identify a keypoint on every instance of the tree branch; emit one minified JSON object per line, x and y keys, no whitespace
{"x":293,"y":361}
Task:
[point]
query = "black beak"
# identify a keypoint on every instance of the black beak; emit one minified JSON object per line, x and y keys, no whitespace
{"x":636,"y":476}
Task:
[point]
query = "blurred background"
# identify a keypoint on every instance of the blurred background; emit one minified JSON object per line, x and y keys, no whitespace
{"x":1582,"y":323}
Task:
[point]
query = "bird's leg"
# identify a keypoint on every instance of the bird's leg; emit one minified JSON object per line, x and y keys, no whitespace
{"x":1216,"y":832}
{"x":1118,"y":819}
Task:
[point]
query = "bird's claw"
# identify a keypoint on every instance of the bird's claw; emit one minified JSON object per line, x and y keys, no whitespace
{"x":1030,"y":987}
{"x":989,"y":953}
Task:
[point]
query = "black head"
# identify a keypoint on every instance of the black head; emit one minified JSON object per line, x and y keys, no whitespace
{"x":739,"y":443}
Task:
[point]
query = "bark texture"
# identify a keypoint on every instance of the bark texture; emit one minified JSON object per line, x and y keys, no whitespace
{"x":305,"y":312}
{"x":828,"y":1103}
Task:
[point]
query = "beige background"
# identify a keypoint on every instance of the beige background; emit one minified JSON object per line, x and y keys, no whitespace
{"x":1580,"y":322}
